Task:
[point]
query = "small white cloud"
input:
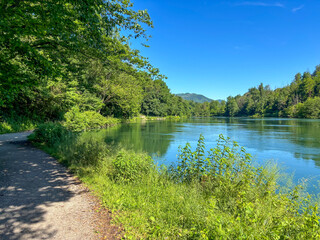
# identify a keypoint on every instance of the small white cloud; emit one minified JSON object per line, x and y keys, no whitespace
{"x":261,"y":4}
{"x":297,"y":8}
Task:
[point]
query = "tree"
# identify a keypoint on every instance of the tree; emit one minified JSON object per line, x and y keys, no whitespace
{"x":316,"y":77}
{"x":215,"y":108}
{"x":249,"y":106}
{"x":316,"y":71}
{"x":124,"y":97}
{"x":299,"y":99}
{"x":232,"y":107}
{"x":311,"y":108}
{"x":297,"y":78}
{"x":156,"y":99}
{"x":308,"y":85}
{"x":41,"y":39}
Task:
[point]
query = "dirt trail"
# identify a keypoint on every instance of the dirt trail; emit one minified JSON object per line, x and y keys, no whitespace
{"x":39,"y":199}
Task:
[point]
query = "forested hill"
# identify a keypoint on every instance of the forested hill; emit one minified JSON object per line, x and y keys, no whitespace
{"x":198,"y":98}
{"x":300,"y":99}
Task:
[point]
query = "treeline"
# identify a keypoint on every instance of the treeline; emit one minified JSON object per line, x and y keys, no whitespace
{"x":68,"y":58}
{"x":300,"y":99}
{"x":206,"y":109}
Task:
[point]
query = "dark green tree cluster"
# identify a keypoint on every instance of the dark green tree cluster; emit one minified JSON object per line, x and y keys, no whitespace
{"x":62,"y":56}
{"x":158,"y":101}
{"x":206,"y":109}
{"x":300,"y":99}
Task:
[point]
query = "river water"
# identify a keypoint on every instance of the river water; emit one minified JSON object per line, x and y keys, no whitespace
{"x":292,"y":143}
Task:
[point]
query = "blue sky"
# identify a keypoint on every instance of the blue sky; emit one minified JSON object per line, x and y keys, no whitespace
{"x":222,"y":48}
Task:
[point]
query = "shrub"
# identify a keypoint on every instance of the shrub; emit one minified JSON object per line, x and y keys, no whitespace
{"x":49,"y":133}
{"x":5,"y":127}
{"x":311,"y":108}
{"x":87,"y":152}
{"x":71,"y":148}
{"x":308,"y":109}
{"x":83,"y":121}
{"x":242,"y":201}
{"x":226,"y":162}
{"x":17,"y":124}
{"x":129,"y":166}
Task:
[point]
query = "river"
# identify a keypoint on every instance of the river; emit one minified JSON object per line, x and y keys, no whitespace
{"x":293,"y":143}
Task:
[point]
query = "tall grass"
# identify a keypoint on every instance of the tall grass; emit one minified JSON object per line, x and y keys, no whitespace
{"x":214,"y":194}
{"x":17,"y":124}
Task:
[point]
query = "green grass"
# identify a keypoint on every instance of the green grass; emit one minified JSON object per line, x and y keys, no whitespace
{"x":17,"y":124}
{"x":220,"y":194}
{"x":74,"y":122}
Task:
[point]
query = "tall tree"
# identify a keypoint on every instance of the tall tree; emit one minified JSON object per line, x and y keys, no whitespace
{"x":39,"y":39}
{"x":308,"y":85}
{"x":232,"y":107}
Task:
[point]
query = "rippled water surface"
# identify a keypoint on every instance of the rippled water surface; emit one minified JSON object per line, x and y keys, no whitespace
{"x":293,"y":143}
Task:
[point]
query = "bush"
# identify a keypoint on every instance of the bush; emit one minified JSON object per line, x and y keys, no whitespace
{"x":49,"y":134}
{"x":308,"y":109}
{"x":17,"y":124}
{"x":242,"y":201}
{"x":83,"y":121}
{"x":87,"y":152}
{"x":311,"y":108}
{"x":71,"y":148}
{"x":129,"y":166}
{"x":226,"y":162}
{"x":5,"y":127}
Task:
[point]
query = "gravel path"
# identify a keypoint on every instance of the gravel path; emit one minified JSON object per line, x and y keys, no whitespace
{"x":39,"y":199}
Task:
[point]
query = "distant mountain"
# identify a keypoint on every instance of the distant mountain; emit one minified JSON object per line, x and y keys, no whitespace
{"x":194,"y":97}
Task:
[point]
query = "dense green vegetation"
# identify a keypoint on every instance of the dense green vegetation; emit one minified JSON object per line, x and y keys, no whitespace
{"x":71,"y":62}
{"x":300,"y":99}
{"x":214,"y":194}
{"x":17,"y":124}
{"x":70,"y":59}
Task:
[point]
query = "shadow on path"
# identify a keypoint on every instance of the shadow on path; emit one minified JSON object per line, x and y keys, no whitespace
{"x":30,"y":183}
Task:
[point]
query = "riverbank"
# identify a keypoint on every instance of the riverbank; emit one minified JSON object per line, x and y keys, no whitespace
{"x":76,"y":122}
{"x":220,"y":195}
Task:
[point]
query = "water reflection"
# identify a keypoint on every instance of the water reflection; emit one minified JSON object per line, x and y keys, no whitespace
{"x":151,"y":137}
{"x":300,"y":137}
{"x":293,"y":142}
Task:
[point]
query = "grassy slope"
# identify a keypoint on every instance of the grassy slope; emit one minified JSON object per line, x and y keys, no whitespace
{"x":151,"y":203}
